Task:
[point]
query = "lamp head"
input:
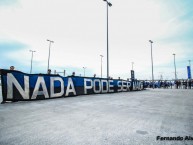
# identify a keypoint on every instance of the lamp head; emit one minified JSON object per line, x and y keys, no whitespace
{"x":109,"y":4}
{"x":50,"y":41}
{"x":32,"y":50}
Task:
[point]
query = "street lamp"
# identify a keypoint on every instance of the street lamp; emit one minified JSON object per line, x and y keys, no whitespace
{"x":101,"y":66}
{"x":32,"y":51}
{"x":108,"y":5}
{"x":132,"y":64}
{"x":161,"y":75}
{"x":49,"y":52}
{"x":152,"y":63}
{"x":190,"y":69}
{"x":84,"y":70}
{"x":175,"y":65}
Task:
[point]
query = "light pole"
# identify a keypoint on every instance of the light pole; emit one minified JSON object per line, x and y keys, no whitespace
{"x":49,"y":52}
{"x":161,"y":75}
{"x":108,"y":5}
{"x":190,"y":69}
{"x":175,"y":65}
{"x":132,"y":64}
{"x":32,"y":51}
{"x":101,"y":66}
{"x":84,"y":70}
{"x":152,"y":63}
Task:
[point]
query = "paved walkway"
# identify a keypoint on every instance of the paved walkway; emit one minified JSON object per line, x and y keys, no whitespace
{"x":130,"y":118}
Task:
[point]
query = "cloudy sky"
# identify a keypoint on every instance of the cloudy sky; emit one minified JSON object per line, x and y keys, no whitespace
{"x":78,"y":29}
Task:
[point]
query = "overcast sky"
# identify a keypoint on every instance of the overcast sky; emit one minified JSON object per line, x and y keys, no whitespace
{"x":78,"y":29}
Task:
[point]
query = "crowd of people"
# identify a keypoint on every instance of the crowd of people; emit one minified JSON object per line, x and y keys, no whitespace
{"x":175,"y":84}
{"x":184,"y":84}
{"x":159,"y":84}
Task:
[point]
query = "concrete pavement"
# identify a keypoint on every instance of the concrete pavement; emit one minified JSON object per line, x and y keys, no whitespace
{"x":129,"y":118}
